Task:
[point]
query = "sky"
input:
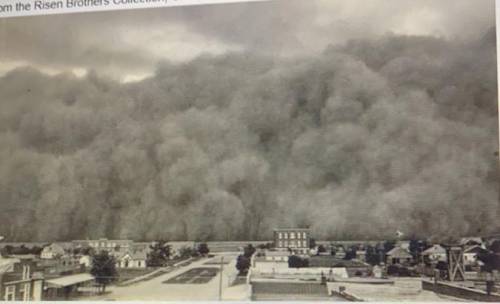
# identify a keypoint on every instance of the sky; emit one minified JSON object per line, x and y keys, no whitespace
{"x":356,"y":119}
{"x":127,"y":45}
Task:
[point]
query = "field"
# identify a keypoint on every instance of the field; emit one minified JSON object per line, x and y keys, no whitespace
{"x":200,"y":275}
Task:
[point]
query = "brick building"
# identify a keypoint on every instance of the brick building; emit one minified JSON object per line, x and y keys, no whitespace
{"x":294,"y":239}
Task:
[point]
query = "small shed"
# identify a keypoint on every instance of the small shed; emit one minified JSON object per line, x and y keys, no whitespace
{"x":67,"y":286}
{"x":398,"y":255}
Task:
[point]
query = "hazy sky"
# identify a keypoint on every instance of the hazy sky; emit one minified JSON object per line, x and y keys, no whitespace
{"x":128,"y":44}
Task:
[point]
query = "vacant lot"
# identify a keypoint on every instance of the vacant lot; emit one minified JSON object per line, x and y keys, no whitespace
{"x":200,"y":275}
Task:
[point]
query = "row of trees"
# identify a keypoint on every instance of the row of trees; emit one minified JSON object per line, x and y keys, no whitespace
{"x":9,"y":249}
{"x":160,"y":253}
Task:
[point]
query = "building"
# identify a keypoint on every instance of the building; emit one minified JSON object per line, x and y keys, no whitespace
{"x":85,"y":260}
{"x":18,"y":282}
{"x":52,"y":251}
{"x":65,"y":265}
{"x":135,"y":259}
{"x":270,"y":261}
{"x":471,"y":253}
{"x":110,"y":246}
{"x":398,"y":255}
{"x":66,"y":287}
{"x":293,"y":239}
{"x":361,"y":255}
{"x":275,"y":290}
{"x":435,"y":254}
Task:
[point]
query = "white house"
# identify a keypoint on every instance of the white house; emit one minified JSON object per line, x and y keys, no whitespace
{"x":132,"y":260}
{"x":435,"y":253}
{"x":85,"y":260}
{"x":471,"y":253}
{"x":52,"y":251}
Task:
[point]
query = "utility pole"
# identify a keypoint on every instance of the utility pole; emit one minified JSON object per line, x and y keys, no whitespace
{"x":220,"y":279}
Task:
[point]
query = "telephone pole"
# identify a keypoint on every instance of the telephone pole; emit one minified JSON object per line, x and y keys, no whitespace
{"x":220,"y":279}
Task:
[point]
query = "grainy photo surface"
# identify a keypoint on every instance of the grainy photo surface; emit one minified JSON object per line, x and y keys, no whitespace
{"x":326,"y":150}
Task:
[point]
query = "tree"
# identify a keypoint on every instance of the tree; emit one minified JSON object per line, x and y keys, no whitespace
{"x":312,"y":243}
{"x":333,"y":250}
{"x":267,"y":245}
{"x":249,"y":250}
{"x":389,"y":245}
{"x":187,"y":252}
{"x":321,"y":249}
{"x":372,"y":255}
{"x":203,"y":249}
{"x":104,"y":269}
{"x":297,"y":262}
{"x":350,"y":254}
{"x":417,"y":247}
{"x":159,"y":254}
{"x":243,"y":264}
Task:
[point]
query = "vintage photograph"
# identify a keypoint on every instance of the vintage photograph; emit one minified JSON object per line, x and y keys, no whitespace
{"x":319,"y":150}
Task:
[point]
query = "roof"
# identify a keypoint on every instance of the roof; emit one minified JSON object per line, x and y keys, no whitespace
{"x":136,"y":255}
{"x":436,"y":249}
{"x":286,"y":289}
{"x":24,"y":256}
{"x":70,"y":280}
{"x":471,"y":240}
{"x":399,"y":252}
{"x":54,"y":247}
{"x":291,"y":229}
{"x":276,"y":253}
{"x":331,"y":261}
{"x":475,"y":249}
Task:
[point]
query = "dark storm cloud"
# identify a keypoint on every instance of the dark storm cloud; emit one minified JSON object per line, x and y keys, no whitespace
{"x":395,"y":132}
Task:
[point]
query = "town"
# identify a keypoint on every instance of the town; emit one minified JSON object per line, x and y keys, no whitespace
{"x":292,"y":266}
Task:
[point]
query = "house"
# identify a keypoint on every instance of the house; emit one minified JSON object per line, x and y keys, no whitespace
{"x":135,"y":259}
{"x":85,"y":260}
{"x":435,"y":254}
{"x":340,"y":252}
{"x":18,"y":282}
{"x":398,"y":255}
{"x":361,"y":255}
{"x":293,"y":239}
{"x":65,"y":265}
{"x":270,"y":260}
{"x":52,"y":251}
{"x":471,"y":253}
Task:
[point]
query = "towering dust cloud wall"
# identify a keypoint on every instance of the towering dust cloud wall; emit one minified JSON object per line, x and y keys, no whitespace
{"x":369,"y":137}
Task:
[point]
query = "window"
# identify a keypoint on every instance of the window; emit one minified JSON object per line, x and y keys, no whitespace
{"x":24,"y":292}
{"x":280,"y":244}
{"x":286,"y":235}
{"x":292,"y":235}
{"x":26,"y":272}
{"x":285,"y":244}
{"x":27,"y":290}
{"x":280,"y":236}
{"x":10,"y":293}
